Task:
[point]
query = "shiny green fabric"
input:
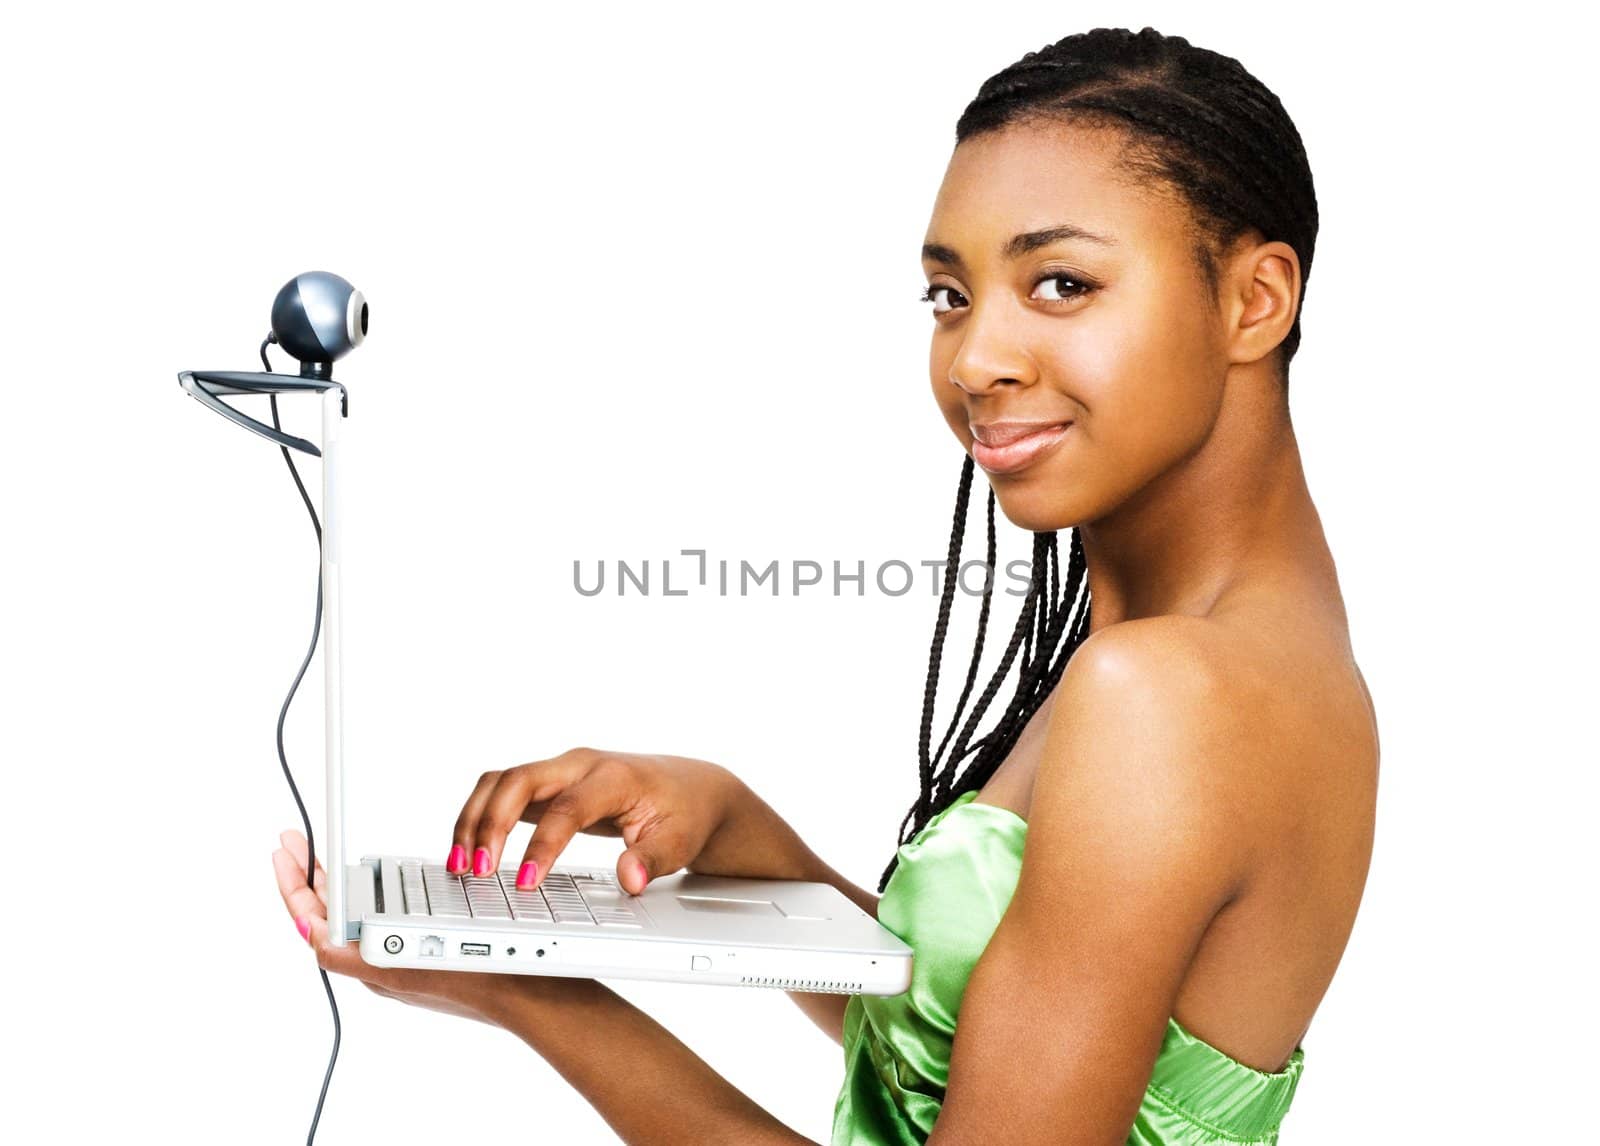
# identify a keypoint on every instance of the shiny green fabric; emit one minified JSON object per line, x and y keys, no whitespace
{"x":945,"y":899}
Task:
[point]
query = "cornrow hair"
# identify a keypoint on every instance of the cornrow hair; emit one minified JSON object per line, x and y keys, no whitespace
{"x":1192,"y":121}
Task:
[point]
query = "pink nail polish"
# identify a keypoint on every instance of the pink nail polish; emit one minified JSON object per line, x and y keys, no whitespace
{"x":303,"y":927}
{"x":527,"y":874}
{"x":457,"y":861}
{"x":480,"y":862}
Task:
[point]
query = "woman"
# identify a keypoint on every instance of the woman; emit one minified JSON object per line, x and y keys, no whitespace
{"x":1144,"y":877}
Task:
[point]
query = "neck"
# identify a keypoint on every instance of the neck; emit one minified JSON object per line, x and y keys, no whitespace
{"x":1237,"y":504}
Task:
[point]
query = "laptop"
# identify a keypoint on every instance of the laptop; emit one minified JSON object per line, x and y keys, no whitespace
{"x":686,"y":927}
{"x":405,"y":911}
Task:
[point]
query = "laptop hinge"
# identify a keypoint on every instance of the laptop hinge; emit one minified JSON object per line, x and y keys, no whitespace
{"x":361,"y":894}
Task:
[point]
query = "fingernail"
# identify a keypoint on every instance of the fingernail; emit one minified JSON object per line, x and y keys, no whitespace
{"x":303,"y":927}
{"x":457,"y":861}
{"x":644,"y":876}
{"x":480,"y":862}
{"x":527,"y":874}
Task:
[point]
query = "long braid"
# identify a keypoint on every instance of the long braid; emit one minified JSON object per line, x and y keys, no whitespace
{"x":1039,"y":551}
{"x":935,"y":653}
{"x":983,"y":624}
{"x":1038,"y":677}
{"x":1026,"y":700}
{"x":1198,"y":123}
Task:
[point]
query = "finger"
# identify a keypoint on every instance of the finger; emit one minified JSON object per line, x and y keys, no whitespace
{"x":466,"y":827}
{"x":659,"y":849}
{"x":311,"y":920}
{"x":595,"y":797}
{"x":302,"y":902}
{"x":518,"y":789}
{"x":295,"y":844}
{"x":501,"y":812}
{"x":345,"y":960}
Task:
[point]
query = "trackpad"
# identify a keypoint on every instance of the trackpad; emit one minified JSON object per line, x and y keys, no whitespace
{"x":725,"y":906}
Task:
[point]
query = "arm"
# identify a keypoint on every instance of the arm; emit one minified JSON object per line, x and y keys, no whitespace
{"x":1136,"y":839}
{"x":756,"y":842}
{"x":646,"y":1084}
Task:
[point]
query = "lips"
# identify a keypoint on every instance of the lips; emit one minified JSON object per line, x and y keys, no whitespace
{"x":1004,"y":433}
{"x":1006,"y":447}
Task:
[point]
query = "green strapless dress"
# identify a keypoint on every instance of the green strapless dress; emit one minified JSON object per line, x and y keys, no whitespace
{"x":945,"y":899}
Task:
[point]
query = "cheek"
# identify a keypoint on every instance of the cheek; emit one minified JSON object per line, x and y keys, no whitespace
{"x":1144,"y":378}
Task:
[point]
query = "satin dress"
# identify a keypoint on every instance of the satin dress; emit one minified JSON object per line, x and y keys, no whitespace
{"x":945,"y":900}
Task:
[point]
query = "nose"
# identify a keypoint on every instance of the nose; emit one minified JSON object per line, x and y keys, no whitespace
{"x":990,"y":355}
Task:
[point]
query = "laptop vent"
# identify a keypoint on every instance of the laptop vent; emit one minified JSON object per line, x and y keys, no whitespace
{"x":838,"y":986}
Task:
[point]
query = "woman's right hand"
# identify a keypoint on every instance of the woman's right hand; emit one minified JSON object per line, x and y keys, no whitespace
{"x":667,"y":809}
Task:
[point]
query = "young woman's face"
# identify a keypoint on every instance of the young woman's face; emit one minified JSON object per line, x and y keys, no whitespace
{"x":1112,"y":336}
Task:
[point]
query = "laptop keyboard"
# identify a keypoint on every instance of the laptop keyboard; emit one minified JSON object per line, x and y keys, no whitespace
{"x":585,"y":899}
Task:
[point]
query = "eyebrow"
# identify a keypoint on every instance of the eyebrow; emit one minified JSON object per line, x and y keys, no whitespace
{"x":1019,"y":245}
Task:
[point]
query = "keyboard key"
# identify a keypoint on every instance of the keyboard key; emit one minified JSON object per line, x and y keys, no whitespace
{"x":485,"y":897}
{"x":445,"y":896}
{"x":529,"y":905}
{"x":617,"y":921}
{"x":594,"y":896}
{"x":411,"y":889}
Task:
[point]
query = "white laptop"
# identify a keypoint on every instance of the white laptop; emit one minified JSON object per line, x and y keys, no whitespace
{"x":687,"y":927}
{"x":409,"y":912}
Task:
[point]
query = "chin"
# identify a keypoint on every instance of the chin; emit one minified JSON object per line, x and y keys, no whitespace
{"x":1035,"y":505}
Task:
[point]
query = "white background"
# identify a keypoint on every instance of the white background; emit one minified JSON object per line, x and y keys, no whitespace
{"x":629,"y":268}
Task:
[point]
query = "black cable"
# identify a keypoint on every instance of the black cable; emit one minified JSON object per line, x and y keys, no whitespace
{"x":311,"y":853}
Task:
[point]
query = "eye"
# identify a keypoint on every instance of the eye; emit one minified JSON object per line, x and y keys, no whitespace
{"x":1066,"y":287}
{"x":928,"y":296}
{"x":1077,"y":290}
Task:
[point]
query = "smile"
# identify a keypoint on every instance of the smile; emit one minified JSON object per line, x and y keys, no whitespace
{"x":1019,"y":452}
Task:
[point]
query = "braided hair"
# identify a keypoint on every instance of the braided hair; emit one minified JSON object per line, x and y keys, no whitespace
{"x":1199,"y":124}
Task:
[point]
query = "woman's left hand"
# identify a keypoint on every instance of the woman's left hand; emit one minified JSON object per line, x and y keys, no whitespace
{"x":476,"y":995}
{"x":637,"y":1074}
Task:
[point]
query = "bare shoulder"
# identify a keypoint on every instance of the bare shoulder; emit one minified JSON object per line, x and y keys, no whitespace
{"x":1210,"y":726}
{"x":1151,"y":652}
{"x":1145,"y":742}
{"x":1181,"y":679}
{"x":1252,"y":680}
{"x":1198,"y":725}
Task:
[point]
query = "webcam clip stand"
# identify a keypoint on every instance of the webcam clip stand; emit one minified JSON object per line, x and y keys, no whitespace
{"x":209,"y":386}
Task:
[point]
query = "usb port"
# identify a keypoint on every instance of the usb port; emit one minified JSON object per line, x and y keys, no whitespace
{"x":474,"y":948}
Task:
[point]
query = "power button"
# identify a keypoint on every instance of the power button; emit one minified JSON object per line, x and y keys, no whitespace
{"x":699,"y":962}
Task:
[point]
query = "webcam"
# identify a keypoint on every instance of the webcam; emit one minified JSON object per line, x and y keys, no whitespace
{"x":318,"y":318}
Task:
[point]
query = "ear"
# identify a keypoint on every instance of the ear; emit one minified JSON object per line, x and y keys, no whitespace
{"x":1262,"y":299}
